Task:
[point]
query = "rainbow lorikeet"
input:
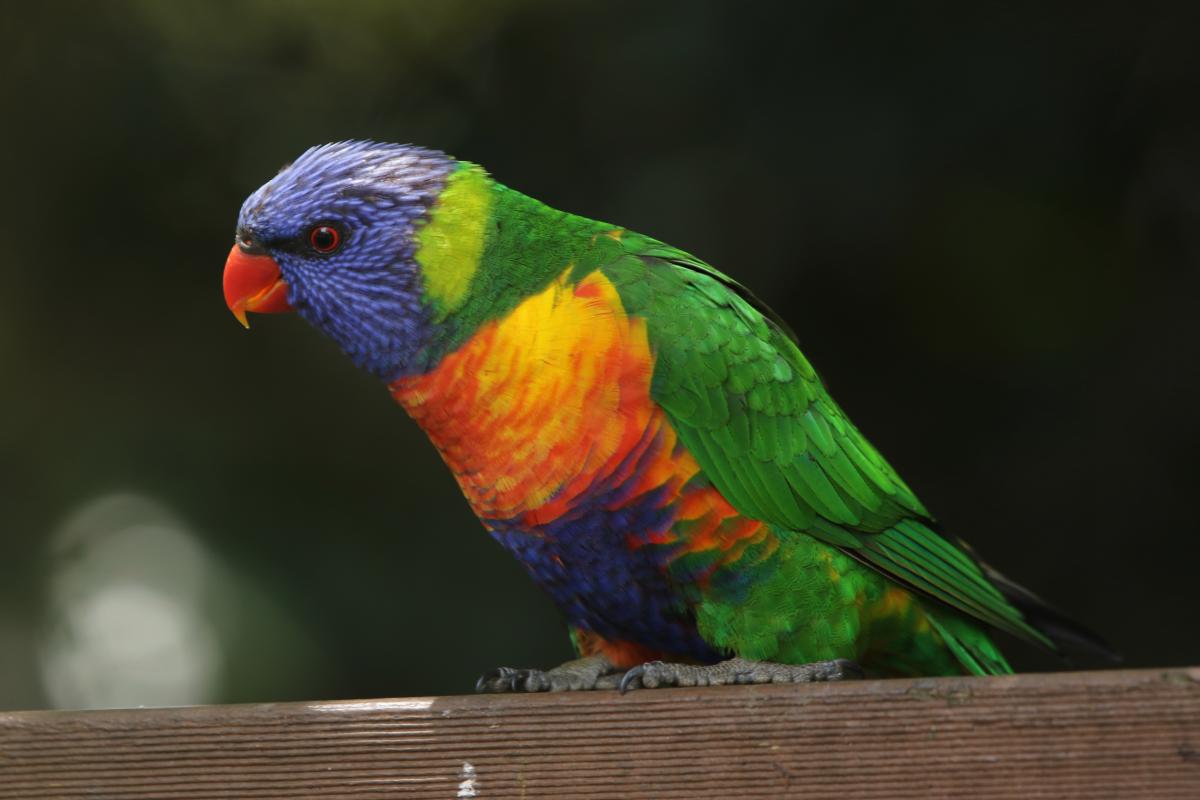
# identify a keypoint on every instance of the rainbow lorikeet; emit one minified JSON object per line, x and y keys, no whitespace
{"x":635,"y":427}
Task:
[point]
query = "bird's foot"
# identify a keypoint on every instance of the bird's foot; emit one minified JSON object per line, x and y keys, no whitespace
{"x":654,"y":674}
{"x":589,"y":672}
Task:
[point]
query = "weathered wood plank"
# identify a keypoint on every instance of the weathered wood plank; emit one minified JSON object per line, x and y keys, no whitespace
{"x":1089,"y":735}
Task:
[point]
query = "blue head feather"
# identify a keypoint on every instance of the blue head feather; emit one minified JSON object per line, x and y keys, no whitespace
{"x":367,"y":294}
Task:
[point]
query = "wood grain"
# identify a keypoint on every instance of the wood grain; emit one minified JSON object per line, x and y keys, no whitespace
{"x":1120,"y":734}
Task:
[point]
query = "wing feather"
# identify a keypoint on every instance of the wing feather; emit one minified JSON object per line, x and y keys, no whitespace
{"x":755,"y":415}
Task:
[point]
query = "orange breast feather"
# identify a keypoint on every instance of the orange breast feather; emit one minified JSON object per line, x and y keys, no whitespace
{"x":540,"y":407}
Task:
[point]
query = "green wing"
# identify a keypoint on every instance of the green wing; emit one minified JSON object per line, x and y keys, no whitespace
{"x":755,"y":415}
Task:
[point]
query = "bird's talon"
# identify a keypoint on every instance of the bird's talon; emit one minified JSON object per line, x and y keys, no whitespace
{"x":627,"y":680}
{"x":494,"y":680}
{"x":486,"y":678}
{"x":848,"y":669}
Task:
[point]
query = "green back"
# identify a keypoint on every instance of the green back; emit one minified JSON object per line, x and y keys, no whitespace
{"x":758,"y":420}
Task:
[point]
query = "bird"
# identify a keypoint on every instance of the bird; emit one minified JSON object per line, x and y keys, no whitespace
{"x":638,"y":429}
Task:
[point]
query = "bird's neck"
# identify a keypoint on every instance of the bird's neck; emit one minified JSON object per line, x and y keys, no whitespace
{"x":552,"y":385}
{"x":484,"y":250}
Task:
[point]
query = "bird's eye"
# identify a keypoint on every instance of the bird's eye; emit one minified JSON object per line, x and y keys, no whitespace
{"x":325,"y":238}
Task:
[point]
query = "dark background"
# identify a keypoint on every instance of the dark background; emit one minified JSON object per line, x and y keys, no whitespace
{"x":980,"y":218}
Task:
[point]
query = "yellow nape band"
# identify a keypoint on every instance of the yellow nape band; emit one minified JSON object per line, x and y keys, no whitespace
{"x":450,"y":245}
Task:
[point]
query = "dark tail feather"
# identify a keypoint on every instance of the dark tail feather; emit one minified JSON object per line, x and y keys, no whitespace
{"x":1069,"y":637}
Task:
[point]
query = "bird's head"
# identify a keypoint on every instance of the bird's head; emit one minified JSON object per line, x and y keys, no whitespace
{"x":333,"y":237}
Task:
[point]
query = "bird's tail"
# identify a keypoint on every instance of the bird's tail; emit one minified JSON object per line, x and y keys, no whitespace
{"x":969,"y":644}
{"x":1069,"y":637}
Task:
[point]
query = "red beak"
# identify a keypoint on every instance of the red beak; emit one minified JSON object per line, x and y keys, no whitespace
{"x":254,"y":283}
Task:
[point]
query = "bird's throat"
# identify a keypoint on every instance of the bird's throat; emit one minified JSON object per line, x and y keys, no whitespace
{"x":536,"y":405}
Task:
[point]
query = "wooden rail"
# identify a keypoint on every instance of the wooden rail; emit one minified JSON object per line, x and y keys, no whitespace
{"x":1120,"y":734}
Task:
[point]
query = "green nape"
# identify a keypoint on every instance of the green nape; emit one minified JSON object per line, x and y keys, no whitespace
{"x":486,"y":248}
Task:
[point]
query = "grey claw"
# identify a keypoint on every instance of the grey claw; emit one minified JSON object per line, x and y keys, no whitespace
{"x":484,"y":684}
{"x":528,"y":680}
{"x":486,"y":678}
{"x":849,"y":669}
{"x":629,"y":677}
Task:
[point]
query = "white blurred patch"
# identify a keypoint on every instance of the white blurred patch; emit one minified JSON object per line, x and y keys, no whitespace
{"x":127,"y":622}
{"x":470,"y":784}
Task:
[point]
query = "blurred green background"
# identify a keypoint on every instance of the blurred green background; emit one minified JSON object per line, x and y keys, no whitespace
{"x":980,"y":218}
